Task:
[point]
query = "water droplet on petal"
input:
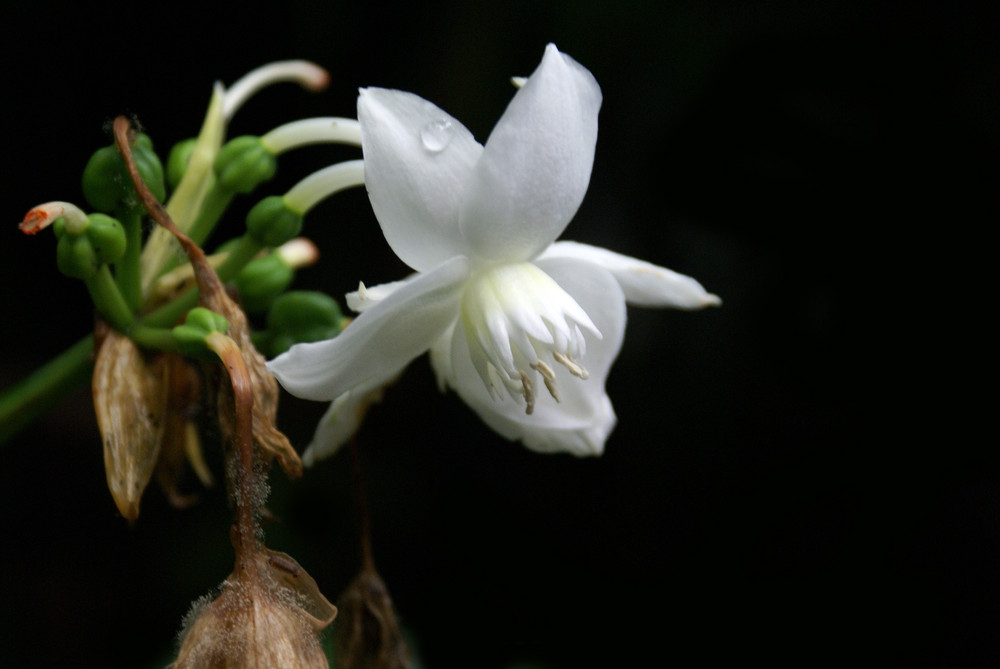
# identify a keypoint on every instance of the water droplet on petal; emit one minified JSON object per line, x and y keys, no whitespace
{"x":436,"y":135}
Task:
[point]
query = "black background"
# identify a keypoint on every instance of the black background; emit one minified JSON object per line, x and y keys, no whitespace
{"x":788,"y":483}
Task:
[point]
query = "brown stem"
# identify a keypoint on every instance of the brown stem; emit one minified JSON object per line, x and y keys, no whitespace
{"x":208,"y":281}
{"x":243,"y":486}
{"x":367,"y":563}
{"x":227,"y":350}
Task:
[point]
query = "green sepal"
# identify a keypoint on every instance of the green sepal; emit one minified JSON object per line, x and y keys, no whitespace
{"x":81,"y":254}
{"x":302,"y":316}
{"x":178,"y":159}
{"x":190,"y":336}
{"x":262,"y":280}
{"x":272,"y":222}
{"x":243,"y":164}
{"x":106,"y":183}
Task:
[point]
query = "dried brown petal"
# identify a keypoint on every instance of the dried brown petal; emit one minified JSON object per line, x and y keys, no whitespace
{"x":368,"y":635}
{"x":264,"y":618}
{"x":130,"y":397}
{"x":265,"y":406}
{"x":180,"y":436}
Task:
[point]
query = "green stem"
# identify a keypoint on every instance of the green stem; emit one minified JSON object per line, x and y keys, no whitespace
{"x":109,"y":301}
{"x":127,"y":270}
{"x":45,"y":387}
{"x":161,"y":339}
{"x":240,"y":254}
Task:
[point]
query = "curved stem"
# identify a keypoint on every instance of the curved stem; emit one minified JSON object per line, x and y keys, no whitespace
{"x":127,"y":273}
{"x":109,"y":301}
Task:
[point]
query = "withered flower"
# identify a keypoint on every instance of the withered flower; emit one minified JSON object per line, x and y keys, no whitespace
{"x":268,"y":615}
{"x":130,"y":398}
{"x":368,"y":635}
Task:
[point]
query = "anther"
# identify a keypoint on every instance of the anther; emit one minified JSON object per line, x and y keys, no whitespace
{"x":575,"y":368}
{"x":549,"y":377}
{"x":529,"y":393}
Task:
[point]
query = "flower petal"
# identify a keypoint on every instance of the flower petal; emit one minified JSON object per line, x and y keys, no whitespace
{"x":418,"y":161}
{"x":380,"y":342}
{"x":536,"y":166}
{"x":644,"y":284}
{"x":581,"y":422}
{"x":339,"y":423}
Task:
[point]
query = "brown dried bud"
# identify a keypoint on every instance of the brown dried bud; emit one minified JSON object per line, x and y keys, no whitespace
{"x":267,"y":615}
{"x":130,"y":396}
{"x":368,"y":635}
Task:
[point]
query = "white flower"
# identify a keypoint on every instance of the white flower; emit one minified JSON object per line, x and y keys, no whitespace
{"x":524,"y":329}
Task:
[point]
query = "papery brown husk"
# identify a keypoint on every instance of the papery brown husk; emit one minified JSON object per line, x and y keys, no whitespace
{"x":265,"y":406}
{"x":130,"y":397}
{"x":267,"y":616}
{"x":181,"y":443}
{"x":368,"y":634}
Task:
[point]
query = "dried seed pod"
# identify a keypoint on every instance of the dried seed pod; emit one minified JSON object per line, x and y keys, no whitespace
{"x":267,"y":615}
{"x":368,"y":635}
{"x":180,"y":436}
{"x":130,"y":396}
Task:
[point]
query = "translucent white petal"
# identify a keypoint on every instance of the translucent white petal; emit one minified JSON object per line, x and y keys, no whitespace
{"x":365,"y":298}
{"x":644,"y":284}
{"x":380,"y":342}
{"x":582,"y":421}
{"x":337,"y":425}
{"x":535,"y":169}
{"x":418,"y":161}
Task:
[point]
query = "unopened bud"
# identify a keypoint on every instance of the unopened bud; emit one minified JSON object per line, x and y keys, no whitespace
{"x":177,"y":161}
{"x":106,"y":183}
{"x":302,"y":316}
{"x":272,"y":222}
{"x":84,"y":247}
{"x":262,"y":280}
{"x":190,"y":337}
{"x":243,"y":164}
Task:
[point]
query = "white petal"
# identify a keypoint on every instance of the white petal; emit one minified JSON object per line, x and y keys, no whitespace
{"x":364,"y":298}
{"x":418,"y":161}
{"x":379,"y":342}
{"x":582,"y":421}
{"x":535,"y":169}
{"x":337,"y":425}
{"x":644,"y":284}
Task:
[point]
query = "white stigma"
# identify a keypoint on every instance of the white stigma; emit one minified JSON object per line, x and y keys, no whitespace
{"x":517,"y":320}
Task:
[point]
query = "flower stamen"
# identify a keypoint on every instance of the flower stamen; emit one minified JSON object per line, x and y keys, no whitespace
{"x":549,"y":377}
{"x":575,"y":368}
{"x":528,"y":389}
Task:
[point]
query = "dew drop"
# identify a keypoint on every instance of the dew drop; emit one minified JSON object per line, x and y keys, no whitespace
{"x":436,"y":135}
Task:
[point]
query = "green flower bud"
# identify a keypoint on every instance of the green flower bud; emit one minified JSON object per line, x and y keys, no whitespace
{"x":82,"y":251}
{"x":199,"y":323}
{"x":262,"y":280}
{"x":302,"y":316}
{"x":243,"y":164}
{"x":272,"y":222}
{"x":177,"y":161}
{"x":106,"y":183}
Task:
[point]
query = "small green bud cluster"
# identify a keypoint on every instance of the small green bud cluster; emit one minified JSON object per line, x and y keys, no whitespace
{"x":106,"y":183}
{"x":272,"y":222}
{"x":190,"y":336}
{"x":301,"y":316}
{"x":83,"y":249}
{"x":243,"y":164}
